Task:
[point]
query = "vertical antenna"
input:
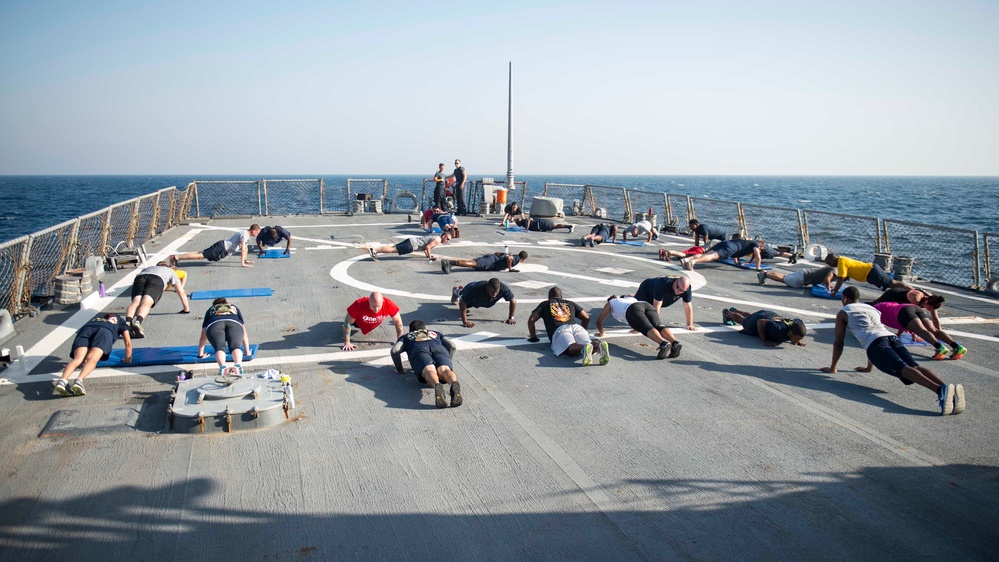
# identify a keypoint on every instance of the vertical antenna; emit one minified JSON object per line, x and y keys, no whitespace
{"x":509,"y":134}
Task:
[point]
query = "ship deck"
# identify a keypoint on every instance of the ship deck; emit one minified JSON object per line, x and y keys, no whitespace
{"x":732,"y":450}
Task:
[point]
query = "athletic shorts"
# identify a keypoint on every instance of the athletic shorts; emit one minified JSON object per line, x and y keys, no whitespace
{"x":603,"y":231}
{"x":878,"y":277}
{"x":910,"y":312}
{"x":215,"y":252}
{"x":796,"y":279}
{"x":724,"y":252}
{"x":749,"y":323}
{"x":422,"y":359}
{"x":890,"y":356}
{"x":642,"y":317}
{"x":695,"y":251}
{"x":566,"y":335}
{"x":490,"y":263}
{"x":405,"y":247}
{"x":542,"y":225}
{"x":148,"y":284}
{"x":92,"y":336}
{"x":226,"y":332}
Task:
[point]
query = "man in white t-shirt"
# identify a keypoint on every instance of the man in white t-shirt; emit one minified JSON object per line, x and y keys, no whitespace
{"x":886,"y":352}
{"x":221,"y":249}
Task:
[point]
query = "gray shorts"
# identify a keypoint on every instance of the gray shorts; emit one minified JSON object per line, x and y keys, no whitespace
{"x":796,"y":279}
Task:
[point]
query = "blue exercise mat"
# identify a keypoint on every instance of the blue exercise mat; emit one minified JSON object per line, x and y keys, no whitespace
{"x":145,"y":356}
{"x":274,"y":255}
{"x":436,"y":230}
{"x":631,"y":243}
{"x":744,"y":264}
{"x":212,"y":295}
{"x":907,"y":339}
{"x":821,"y":291}
{"x":516,"y":229}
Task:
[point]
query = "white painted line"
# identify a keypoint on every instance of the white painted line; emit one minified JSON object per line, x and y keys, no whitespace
{"x":613,"y":270}
{"x":955,"y":294}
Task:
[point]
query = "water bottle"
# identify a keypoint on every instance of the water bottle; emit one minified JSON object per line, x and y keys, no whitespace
{"x":100,"y":289}
{"x":506,"y":249}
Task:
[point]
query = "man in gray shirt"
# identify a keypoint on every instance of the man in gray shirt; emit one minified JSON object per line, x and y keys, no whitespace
{"x":439,"y":179}
{"x":410,"y":245}
{"x":146,"y":292}
{"x":221,"y":249}
{"x":801,"y":278}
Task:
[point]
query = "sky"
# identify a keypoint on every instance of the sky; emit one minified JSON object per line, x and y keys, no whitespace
{"x":768,"y":87}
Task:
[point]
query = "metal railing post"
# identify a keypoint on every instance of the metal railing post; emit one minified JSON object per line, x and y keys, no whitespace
{"x":262,"y":198}
{"x":18,"y":290}
{"x":976,"y":270}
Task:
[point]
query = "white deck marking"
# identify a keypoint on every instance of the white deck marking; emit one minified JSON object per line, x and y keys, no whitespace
{"x":531,"y":284}
{"x":613,"y":270}
{"x":952,"y":293}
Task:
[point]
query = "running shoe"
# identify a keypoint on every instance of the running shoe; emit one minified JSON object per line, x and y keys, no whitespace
{"x":591,"y":243}
{"x":941,"y":352}
{"x":946,"y":400}
{"x":687,"y":264}
{"x":572,"y":228}
{"x":582,"y":241}
{"x":222,"y":370}
{"x":239,"y":369}
{"x":173,"y":261}
{"x":663,"y":350}
{"x":455,"y":294}
{"x":371,"y":252}
{"x":959,"y":352}
{"x":588,"y":355}
{"x":674,"y":350}
{"x":958,"y":398}
{"x":77,"y":388}
{"x":761,"y":276}
{"x":794,"y":258}
{"x":135,"y":330}
{"x":456,"y":394}
{"x":439,"y":400}
{"x":445,"y":266}
{"x":726,"y":319}
{"x":604,"y":353}
{"x":60,"y":389}
{"x":662,"y":254}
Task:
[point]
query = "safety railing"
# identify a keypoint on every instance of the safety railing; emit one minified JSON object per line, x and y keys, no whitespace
{"x":648,"y":202}
{"x":771,"y":224}
{"x":990,"y":266}
{"x":717,"y":212}
{"x":945,"y":254}
{"x":849,"y":235}
{"x":30,"y":264}
{"x":573,"y":197}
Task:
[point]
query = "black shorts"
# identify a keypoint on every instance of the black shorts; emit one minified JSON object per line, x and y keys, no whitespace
{"x":749,"y":323}
{"x":150,"y":285}
{"x":92,"y":336}
{"x":215,"y":252}
{"x":642,"y":317}
{"x":490,"y":263}
{"x":422,"y":359}
{"x":890,"y":356}
{"x":724,"y":251}
{"x":542,"y":225}
{"x":910,"y":312}
{"x":879,"y":278}
{"x":226,"y":332}
{"x":404,"y":247}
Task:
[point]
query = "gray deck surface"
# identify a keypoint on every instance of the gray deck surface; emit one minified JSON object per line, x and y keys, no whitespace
{"x":731,"y":451}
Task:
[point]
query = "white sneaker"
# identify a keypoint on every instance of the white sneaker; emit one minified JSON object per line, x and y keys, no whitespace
{"x":604,"y":353}
{"x":946,"y":400}
{"x":958,"y":399}
{"x":588,"y":355}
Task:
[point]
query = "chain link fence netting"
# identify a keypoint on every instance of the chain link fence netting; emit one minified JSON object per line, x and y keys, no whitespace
{"x":614,"y":200}
{"x":121,"y":224}
{"x":49,"y":256}
{"x":572,"y":195}
{"x":947,"y":255}
{"x":644,"y":201}
{"x":145,"y":220}
{"x":91,"y":237}
{"x":991,"y":263}
{"x":292,"y":197}
{"x":848,"y":235}
{"x":373,"y":189}
{"x":227,"y":199}
{"x":11,"y":254}
{"x":717,"y":212}
{"x":679,"y":211}
{"x":775,"y":225}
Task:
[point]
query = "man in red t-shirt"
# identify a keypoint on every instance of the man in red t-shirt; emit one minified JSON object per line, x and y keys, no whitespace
{"x":367,"y":313}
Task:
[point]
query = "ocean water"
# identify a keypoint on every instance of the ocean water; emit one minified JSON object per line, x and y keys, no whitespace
{"x":31,"y":203}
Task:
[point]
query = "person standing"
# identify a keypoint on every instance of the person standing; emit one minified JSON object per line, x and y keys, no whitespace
{"x":459,"y":176}
{"x":439,"y":179}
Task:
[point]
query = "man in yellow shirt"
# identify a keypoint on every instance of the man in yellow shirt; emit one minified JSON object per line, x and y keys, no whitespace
{"x":860,"y":271}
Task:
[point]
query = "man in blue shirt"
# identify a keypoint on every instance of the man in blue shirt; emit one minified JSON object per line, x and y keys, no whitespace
{"x":482,"y":294}
{"x":271,"y":236}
